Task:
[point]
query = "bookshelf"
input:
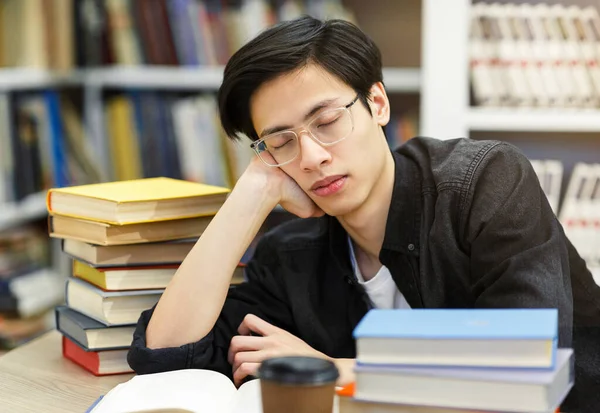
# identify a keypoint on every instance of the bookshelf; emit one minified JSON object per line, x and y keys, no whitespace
{"x":156,"y":77}
{"x":402,"y":80}
{"x":445,"y":109}
{"x":12,"y":79}
{"x":533,"y":120}
{"x":397,"y":79}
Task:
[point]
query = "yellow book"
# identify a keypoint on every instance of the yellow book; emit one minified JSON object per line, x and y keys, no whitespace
{"x":125,"y":278}
{"x":136,"y":201}
{"x":100,"y":233}
{"x":123,"y":139}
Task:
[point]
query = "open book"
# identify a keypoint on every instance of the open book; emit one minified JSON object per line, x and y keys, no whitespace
{"x":181,"y":391}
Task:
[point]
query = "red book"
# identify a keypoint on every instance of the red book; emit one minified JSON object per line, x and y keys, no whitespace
{"x":99,"y":363}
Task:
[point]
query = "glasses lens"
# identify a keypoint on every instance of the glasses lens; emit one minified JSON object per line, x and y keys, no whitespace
{"x":279,"y":148}
{"x":332,"y":126}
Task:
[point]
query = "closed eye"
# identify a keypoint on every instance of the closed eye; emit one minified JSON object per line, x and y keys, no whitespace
{"x":281,"y":145}
{"x":328,"y":123}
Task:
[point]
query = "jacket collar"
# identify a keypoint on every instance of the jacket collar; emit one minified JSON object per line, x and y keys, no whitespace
{"x":402,"y":230}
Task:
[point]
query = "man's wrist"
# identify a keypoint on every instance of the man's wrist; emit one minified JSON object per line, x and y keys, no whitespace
{"x":260,"y":187}
{"x":346,"y":369}
{"x":257,"y":190}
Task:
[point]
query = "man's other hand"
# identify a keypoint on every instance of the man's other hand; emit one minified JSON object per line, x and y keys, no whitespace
{"x":247,"y":351}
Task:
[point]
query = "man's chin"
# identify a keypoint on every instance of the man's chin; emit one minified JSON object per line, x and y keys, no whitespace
{"x":337,"y":209}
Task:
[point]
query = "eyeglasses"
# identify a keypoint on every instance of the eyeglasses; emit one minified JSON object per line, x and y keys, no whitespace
{"x":326,"y":128}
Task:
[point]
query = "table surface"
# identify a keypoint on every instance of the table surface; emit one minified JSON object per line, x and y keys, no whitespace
{"x":36,"y":378}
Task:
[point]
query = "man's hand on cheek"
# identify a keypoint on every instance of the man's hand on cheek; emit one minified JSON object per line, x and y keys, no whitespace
{"x":279,"y":188}
{"x":247,"y":351}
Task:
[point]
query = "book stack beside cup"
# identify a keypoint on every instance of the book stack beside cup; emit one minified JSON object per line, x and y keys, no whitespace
{"x":459,"y":361}
{"x":127,"y":239}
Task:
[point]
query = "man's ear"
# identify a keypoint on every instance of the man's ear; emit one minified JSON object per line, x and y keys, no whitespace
{"x":380,"y":104}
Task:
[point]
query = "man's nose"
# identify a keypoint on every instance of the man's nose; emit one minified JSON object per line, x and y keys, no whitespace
{"x":312,"y":154}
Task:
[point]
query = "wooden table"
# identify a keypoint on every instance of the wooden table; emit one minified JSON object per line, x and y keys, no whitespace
{"x":36,"y":378}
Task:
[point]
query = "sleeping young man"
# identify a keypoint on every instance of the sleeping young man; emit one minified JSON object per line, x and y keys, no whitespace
{"x":433,"y":224}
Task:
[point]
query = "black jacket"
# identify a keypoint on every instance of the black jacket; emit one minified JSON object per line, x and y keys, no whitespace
{"x":468,"y":227}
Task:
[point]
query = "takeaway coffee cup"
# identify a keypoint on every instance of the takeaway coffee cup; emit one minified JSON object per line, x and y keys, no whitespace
{"x":297,"y":385}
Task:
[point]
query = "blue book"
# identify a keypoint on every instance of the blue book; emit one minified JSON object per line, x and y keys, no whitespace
{"x":90,"y":334}
{"x":525,"y":338}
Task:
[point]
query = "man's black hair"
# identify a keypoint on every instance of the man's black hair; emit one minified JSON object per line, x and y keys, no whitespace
{"x":337,"y":46}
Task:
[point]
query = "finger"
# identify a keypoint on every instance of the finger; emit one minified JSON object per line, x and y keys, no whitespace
{"x":249,"y":357}
{"x":246,"y":369}
{"x":244,"y":343}
{"x":254,"y":324}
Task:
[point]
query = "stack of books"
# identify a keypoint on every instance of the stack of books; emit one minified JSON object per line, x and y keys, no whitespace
{"x":451,"y":361}
{"x":127,"y":239}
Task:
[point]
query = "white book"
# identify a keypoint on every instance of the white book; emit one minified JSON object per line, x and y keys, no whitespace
{"x":519,"y":92}
{"x":540,"y":52}
{"x":492,"y":39}
{"x":290,"y":10}
{"x":486,"y":90}
{"x":190,"y":391}
{"x":590,"y":25}
{"x":207,"y":130}
{"x":189,"y":145}
{"x":586,"y":231}
{"x":558,"y":55}
{"x":506,"y":390}
{"x":538,"y":167}
{"x":37,"y":291}
{"x":553,"y":182}
{"x":524,"y":49}
{"x":572,"y":38}
{"x":549,"y":173}
{"x":255,"y":17}
{"x":109,"y":307}
{"x":593,"y":18}
{"x":570,"y":213}
{"x":595,"y":219}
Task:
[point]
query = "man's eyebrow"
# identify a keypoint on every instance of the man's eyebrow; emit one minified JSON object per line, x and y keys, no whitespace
{"x":317,"y":107}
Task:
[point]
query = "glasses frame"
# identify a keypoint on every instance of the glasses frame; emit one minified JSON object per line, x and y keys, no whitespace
{"x":306,"y":129}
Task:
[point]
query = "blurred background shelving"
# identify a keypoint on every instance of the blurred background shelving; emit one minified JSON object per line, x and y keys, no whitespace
{"x":397,"y":80}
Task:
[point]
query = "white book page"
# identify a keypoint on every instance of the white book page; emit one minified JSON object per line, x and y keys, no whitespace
{"x":247,"y":399}
{"x":187,"y":390}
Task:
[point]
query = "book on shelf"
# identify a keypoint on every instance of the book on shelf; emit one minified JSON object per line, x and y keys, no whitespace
{"x":99,"y":363}
{"x":534,"y":55}
{"x":190,"y":390}
{"x":91,"y":334}
{"x":43,"y":144}
{"x":110,"y":308}
{"x":29,"y":286}
{"x":550,"y":174}
{"x":454,"y":337}
{"x":31,"y":293}
{"x":96,"y":33}
{"x":170,"y":252}
{"x":137,"y":201}
{"x":100,"y":233}
{"x":22,"y":249}
{"x":580,"y":211}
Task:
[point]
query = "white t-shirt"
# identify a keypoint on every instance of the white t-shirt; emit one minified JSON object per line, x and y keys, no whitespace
{"x":381,"y":289}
